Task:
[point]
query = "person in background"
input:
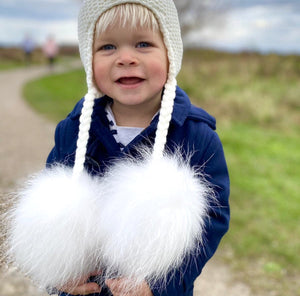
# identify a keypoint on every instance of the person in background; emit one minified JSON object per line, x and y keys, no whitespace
{"x":50,"y":50}
{"x":28,"y":47}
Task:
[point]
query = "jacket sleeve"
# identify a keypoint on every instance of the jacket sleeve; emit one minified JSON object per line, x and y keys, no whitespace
{"x":212,"y":160}
{"x":66,"y":135}
{"x":54,"y":156}
{"x":65,"y":144}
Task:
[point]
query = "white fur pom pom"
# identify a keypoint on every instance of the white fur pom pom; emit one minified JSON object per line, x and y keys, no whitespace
{"x":51,"y":238}
{"x":153,"y":215}
{"x":138,"y":221}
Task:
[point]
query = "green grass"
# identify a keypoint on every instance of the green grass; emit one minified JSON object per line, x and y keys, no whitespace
{"x":54,"y":96}
{"x":265,"y":169}
{"x":13,"y":57}
{"x":7,"y":65}
{"x":248,"y":88}
{"x":256,"y":101}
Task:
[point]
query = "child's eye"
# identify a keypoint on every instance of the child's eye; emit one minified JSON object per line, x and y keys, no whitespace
{"x":107,"y":47}
{"x":143,"y":44}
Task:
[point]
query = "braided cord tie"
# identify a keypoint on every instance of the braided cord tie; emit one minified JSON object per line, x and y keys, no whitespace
{"x":164,"y":118}
{"x":83,"y":134}
{"x":167,"y":102}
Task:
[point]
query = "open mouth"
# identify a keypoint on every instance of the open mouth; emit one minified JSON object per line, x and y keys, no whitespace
{"x":130,"y":80}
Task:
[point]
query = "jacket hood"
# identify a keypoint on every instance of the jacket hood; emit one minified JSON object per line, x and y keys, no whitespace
{"x":183,"y":109}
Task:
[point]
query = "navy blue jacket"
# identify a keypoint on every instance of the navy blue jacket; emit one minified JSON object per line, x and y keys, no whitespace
{"x":193,"y":130}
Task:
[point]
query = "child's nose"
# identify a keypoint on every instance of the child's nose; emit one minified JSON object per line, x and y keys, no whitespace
{"x":127,"y":58}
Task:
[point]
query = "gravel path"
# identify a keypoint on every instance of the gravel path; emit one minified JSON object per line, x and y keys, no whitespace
{"x":25,"y":141}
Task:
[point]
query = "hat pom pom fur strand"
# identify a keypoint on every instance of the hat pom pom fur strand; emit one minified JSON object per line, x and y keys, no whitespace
{"x":138,"y":221}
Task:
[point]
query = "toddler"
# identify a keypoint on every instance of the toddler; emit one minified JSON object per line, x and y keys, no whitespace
{"x":134,"y":116}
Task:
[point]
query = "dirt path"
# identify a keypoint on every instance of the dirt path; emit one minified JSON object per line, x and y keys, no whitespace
{"x":25,"y":141}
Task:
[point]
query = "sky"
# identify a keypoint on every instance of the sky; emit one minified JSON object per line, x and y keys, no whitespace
{"x":260,"y":25}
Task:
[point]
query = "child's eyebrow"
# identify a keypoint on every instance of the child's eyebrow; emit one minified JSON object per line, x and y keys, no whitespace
{"x":147,"y":34}
{"x":104,"y":39}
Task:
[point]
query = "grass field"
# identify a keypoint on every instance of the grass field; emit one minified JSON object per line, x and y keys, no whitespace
{"x":255,"y":99}
{"x":14,"y":57}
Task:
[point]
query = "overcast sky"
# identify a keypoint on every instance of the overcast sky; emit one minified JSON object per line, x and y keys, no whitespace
{"x":265,"y":25}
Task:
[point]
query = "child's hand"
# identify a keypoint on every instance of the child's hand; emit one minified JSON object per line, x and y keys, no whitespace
{"x":83,"y":287}
{"x":115,"y":286}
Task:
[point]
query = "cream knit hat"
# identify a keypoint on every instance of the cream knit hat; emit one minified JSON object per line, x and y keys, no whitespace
{"x":167,"y":17}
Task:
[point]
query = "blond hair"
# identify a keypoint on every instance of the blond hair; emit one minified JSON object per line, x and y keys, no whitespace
{"x":128,"y":15}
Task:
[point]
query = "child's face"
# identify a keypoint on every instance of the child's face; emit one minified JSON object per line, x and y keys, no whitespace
{"x":131,"y":67}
